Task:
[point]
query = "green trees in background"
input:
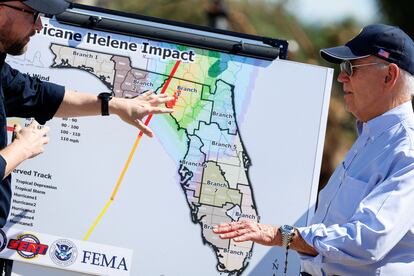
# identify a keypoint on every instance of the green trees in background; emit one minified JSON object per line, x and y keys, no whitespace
{"x":189,"y":11}
{"x":270,"y":18}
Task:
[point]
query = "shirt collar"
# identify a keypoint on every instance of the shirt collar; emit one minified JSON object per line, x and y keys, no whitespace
{"x":379,"y":124}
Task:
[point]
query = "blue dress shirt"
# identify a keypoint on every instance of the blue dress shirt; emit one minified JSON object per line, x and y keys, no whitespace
{"x":364,"y":224}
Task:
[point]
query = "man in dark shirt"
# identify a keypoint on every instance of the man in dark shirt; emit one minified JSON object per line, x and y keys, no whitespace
{"x":23,"y":96}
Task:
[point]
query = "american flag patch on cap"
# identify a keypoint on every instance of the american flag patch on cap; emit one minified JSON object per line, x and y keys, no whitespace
{"x":383,"y":53}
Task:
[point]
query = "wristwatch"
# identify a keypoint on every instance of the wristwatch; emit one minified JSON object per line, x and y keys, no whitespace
{"x":287,"y":232}
{"x":105,"y":97}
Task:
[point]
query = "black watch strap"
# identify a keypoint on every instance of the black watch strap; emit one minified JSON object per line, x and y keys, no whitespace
{"x":105,"y":97}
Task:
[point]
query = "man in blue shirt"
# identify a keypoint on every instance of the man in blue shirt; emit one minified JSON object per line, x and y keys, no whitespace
{"x":23,"y":96}
{"x":364,"y":223}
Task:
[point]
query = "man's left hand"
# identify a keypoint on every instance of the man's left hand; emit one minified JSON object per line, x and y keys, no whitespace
{"x":247,"y":230}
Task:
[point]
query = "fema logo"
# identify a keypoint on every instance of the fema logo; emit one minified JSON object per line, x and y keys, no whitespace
{"x":3,"y":240}
{"x":63,"y":252}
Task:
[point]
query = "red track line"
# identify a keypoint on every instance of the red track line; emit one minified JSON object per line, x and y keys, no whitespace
{"x":171,"y":76}
{"x":164,"y":88}
{"x":121,"y":177}
{"x":147,"y":121}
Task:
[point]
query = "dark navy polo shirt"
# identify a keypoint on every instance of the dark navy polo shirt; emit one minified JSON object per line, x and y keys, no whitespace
{"x":25,"y":97}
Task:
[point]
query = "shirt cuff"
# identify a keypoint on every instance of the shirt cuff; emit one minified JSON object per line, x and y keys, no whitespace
{"x":3,"y":165}
{"x":309,"y":233}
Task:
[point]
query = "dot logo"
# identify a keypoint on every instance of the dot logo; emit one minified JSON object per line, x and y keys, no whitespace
{"x":63,"y":252}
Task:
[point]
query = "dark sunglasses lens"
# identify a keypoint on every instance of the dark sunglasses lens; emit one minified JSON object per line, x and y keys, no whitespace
{"x":349,"y":68}
{"x":36,"y":16}
{"x":346,"y":66}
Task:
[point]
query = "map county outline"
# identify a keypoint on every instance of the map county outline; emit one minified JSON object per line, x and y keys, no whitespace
{"x":213,"y":172}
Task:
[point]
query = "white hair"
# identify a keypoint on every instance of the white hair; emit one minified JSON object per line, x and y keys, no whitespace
{"x":408,"y":82}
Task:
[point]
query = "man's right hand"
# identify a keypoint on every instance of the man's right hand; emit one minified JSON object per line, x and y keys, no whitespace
{"x":31,"y":139}
{"x":28,"y":143}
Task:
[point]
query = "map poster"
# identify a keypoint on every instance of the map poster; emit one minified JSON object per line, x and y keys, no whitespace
{"x":244,"y":143}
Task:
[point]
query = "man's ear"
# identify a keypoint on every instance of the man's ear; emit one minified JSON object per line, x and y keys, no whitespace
{"x":392,"y":75}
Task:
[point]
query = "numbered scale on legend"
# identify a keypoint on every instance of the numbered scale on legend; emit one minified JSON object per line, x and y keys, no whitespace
{"x":70,"y":130}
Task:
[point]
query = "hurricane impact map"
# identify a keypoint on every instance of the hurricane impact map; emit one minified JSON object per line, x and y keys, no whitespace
{"x":101,"y":180}
{"x":212,"y":161}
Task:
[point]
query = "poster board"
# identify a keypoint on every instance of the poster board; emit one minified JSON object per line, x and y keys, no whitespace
{"x":245,"y":142}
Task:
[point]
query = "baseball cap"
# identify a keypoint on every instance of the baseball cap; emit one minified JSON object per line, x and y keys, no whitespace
{"x":47,"y":6}
{"x":387,"y":42}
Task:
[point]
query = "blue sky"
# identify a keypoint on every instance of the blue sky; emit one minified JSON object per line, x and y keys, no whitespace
{"x":329,"y":11}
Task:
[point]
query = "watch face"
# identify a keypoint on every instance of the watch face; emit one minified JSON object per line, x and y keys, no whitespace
{"x":287,"y":228}
{"x":105,"y":96}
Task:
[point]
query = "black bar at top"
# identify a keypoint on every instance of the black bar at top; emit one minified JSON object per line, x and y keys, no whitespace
{"x":278,"y":47}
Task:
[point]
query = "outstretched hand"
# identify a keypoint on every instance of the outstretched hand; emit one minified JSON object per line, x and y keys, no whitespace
{"x":132,"y":111}
{"x":247,"y":230}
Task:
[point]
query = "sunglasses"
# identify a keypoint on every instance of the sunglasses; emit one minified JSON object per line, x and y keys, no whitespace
{"x":36,"y":14}
{"x":347,"y":67}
